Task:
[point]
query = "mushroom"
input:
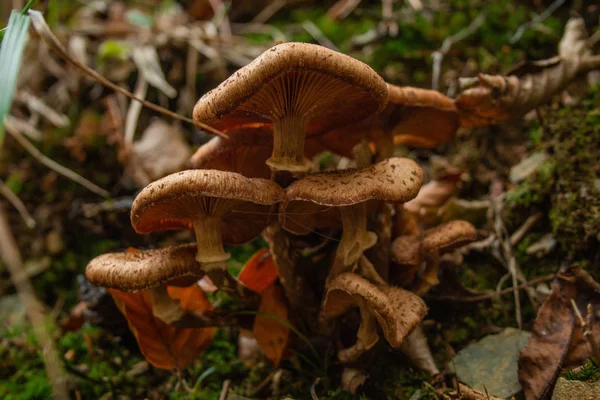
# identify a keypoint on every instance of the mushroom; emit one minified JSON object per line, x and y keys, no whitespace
{"x":396,"y":310}
{"x":221,"y":207}
{"x":410,"y":252}
{"x":302,"y":89}
{"x":320,"y":200}
{"x":151,"y":270}
{"x":245,"y":152}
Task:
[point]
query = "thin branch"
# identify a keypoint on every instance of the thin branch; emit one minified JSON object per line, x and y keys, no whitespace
{"x":53,"y":165}
{"x":225,"y":389}
{"x":517,"y":235}
{"x":18,"y":205}
{"x":135,"y":107}
{"x":438,"y":55}
{"x":314,"y":31}
{"x":34,"y":309}
{"x":587,"y":325}
{"x":44,"y":31}
{"x":539,"y":18}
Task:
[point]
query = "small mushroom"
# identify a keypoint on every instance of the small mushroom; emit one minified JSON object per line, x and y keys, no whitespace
{"x":396,"y":310}
{"x":319,"y":200}
{"x":302,"y":89}
{"x":410,"y":252}
{"x":221,"y":207}
{"x":152,"y":270}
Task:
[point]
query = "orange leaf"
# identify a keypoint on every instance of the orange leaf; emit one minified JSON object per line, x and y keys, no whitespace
{"x":271,"y":334}
{"x":165,"y":346}
{"x":259,"y":272}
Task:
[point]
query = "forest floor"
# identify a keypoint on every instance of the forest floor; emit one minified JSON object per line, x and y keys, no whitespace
{"x":556,"y":195}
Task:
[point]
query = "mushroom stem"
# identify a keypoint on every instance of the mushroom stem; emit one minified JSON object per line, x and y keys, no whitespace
{"x":211,"y":253}
{"x":366,"y":337}
{"x":289,"y":133}
{"x":213,"y":259}
{"x":355,"y":238}
{"x":164,"y":307}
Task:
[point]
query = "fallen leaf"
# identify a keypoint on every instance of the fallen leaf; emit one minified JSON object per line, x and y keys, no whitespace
{"x":496,"y":98}
{"x":270,"y":333}
{"x":162,"y":345}
{"x":491,"y":363}
{"x":259,"y":272}
{"x":556,"y":340}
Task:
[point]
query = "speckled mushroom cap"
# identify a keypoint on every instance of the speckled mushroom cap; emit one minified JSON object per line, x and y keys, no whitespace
{"x":335,"y":89}
{"x":173,"y":202}
{"x":419,"y":117}
{"x":448,"y":236}
{"x":406,"y":250}
{"x":394,"y":180}
{"x":245,"y":152}
{"x":132,"y":271}
{"x":398,"y":311}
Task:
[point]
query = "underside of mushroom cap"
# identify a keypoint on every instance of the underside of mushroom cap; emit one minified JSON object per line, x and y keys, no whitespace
{"x":242,"y":203}
{"x":245,"y":152}
{"x":296,"y":77}
{"x":398,"y":311}
{"x":395,"y":180}
{"x":449,"y":236}
{"x":133,"y":271}
{"x":419,"y":117}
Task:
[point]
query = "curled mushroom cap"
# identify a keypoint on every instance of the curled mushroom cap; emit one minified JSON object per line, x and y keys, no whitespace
{"x":175,"y":201}
{"x":397,"y":311}
{"x":302,"y":89}
{"x":132,"y":271}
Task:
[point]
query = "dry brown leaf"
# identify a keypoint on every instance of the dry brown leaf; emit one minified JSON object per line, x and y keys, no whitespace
{"x":271,"y":334}
{"x":259,"y":272}
{"x":497,"y":97}
{"x":556,"y":336}
{"x":162,"y":345}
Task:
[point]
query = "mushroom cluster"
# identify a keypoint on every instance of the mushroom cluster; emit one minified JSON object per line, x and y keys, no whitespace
{"x":293,"y":102}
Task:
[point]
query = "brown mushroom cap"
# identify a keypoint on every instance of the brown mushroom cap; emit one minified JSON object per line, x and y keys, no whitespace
{"x":398,"y":311}
{"x":448,"y":236}
{"x":406,"y":250}
{"x":143,"y":270}
{"x":311,"y":201}
{"x":173,"y":202}
{"x":395,"y":180}
{"x":303,"y":90}
{"x":335,"y":88}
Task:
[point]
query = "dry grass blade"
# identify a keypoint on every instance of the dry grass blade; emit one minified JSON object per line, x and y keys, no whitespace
{"x":44,"y":31}
{"x":14,"y":263}
{"x":17,"y":204}
{"x":53,"y":165}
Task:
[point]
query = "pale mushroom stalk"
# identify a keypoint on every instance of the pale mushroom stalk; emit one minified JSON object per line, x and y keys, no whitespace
{"x":355,"y":238}
{"x":366,"y":337}
{"x":289,"y":134}
{"x":164,"y":307}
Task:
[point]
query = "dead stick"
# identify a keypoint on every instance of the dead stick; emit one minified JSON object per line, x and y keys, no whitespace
{"x":34,"y":309}
{"x":587,"y":325}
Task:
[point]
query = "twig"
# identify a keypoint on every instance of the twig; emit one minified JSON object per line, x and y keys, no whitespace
{"x":53,"y":165}
{"x":539,"y":18}
{"x":313,"y":389}
{"x":494,"y":295}
{"x":587,"y":326}
{"x":517,"y":235}
{"x":262,"y":384}
{"x":34,"y":309}
{"x":38,"y":105}
{"x":17,"y":204}
{"x":439,"y":54}
{"x":42,"y":28}
{"x":266,"y":13}
{"x":224,"y":390}
{"x":24,"y":126}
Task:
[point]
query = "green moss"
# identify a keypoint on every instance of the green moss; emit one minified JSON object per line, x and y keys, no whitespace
{"x":589,"y":372}
{"x":535,"y":189}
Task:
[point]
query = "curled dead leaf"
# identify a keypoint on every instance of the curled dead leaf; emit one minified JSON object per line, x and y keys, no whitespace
{"x":259,"y":272}
{"x":165,"y":346}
